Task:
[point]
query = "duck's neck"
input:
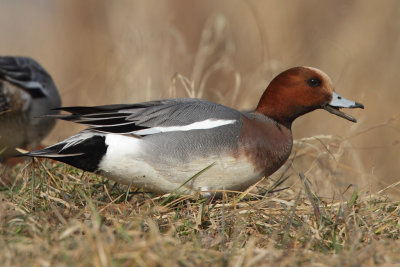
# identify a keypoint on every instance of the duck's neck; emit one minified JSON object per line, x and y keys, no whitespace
{"x":275,"y":109}
{"x":280,"y":107}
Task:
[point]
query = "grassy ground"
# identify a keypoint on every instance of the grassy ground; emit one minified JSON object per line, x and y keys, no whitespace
{"x":52,"y":214}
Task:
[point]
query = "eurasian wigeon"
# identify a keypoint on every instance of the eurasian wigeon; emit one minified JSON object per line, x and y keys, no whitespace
{"x":27,"y":91}
{"x":161,"y":145}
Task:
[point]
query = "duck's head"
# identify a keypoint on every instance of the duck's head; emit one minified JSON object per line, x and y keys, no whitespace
{"x":300,"y":90}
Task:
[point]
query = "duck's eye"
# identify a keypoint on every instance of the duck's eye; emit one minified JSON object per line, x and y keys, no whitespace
{"x":314,"y":82}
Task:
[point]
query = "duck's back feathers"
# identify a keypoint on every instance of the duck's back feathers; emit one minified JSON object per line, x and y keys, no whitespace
{"x":153,"y":117}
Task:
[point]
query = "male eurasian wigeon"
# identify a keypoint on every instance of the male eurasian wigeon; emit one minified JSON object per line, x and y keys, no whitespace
{"x":161,"y":145}
{"x":26,"y":92}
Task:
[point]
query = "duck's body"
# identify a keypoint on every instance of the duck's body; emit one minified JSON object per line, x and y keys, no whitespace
{"x":26,"y":92}
{"x":162,"y":145}
{"x":160,"y":148}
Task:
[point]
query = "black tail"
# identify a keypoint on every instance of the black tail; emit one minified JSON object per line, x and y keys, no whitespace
{"x":85,"y":154}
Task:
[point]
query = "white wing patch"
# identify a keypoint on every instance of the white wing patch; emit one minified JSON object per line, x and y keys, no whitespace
{"x":199,"y":125}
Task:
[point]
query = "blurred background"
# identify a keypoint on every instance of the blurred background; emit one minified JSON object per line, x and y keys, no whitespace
{"x":104,"y":52}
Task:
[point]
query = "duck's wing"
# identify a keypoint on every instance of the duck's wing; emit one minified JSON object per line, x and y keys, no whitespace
{"x":152,"y":117}
{"x":86,"y":149}
{"x":27,"y":74}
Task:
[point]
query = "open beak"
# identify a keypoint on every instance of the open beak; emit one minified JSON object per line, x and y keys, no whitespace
{"x":339,"y":102}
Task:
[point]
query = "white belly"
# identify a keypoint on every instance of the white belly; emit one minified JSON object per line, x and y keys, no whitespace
{"x":125,"y":164}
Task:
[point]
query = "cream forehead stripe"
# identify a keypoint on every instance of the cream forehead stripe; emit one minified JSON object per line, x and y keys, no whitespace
{"x":199,"y":125}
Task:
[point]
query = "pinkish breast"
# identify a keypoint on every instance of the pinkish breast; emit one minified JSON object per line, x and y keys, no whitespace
{"x":265,"y":143}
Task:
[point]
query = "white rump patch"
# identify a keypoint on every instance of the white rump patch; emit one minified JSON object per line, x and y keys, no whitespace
{"x":121,"y":145}
{"x":199,"y":125}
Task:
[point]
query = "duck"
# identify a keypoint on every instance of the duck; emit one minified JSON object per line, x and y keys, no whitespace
{"x":27,"y":91}
{"x":190,"y":145}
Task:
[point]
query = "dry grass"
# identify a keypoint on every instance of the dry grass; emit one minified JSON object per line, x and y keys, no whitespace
{"x":53,"y":214}
{"x":56,"y":215}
